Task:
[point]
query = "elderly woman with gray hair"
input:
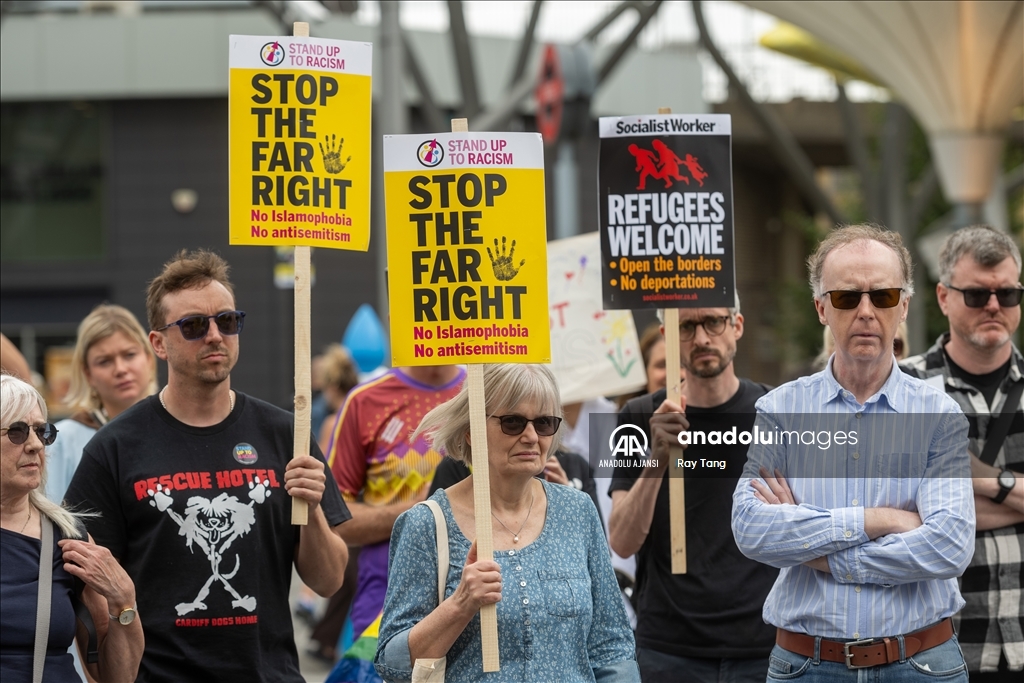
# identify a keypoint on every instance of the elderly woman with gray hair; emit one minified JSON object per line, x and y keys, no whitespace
{"x":44,"y":551}
{"x":560,"y":617}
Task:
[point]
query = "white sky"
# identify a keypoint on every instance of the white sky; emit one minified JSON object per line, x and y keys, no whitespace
{"x":736,"y":29}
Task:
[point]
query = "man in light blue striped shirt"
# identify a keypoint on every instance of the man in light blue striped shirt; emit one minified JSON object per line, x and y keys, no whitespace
{"x":858,"y":487}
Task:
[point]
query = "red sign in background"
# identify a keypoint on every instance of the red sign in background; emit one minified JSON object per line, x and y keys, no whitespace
{"x":549,"y":94}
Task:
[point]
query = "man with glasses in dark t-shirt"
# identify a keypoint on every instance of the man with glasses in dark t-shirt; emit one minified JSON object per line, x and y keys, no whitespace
{"x":705,"y":625}
{"x":977,"y":365}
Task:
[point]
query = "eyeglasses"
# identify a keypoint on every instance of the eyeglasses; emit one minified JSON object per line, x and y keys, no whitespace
{"x":845,"y":300}
{"x":714,"y":325}
{"x":196,"y":326}
{"x":514,"y":425}
{"x":18,"y":433}
{"x":976,"y":297}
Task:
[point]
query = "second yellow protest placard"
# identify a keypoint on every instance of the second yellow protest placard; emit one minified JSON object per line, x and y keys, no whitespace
{"x":467,"y":248}
{"x":299,"y":160}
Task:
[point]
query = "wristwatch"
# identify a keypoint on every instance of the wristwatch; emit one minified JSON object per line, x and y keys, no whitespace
{"x":126,"y":616}
{"x":1007,"y":479}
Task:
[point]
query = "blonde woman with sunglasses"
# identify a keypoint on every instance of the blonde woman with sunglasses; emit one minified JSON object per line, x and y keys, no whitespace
{"x":560,"y":617}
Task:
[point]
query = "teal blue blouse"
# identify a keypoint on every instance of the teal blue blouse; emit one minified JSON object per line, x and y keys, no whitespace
{"x":560,"y":618}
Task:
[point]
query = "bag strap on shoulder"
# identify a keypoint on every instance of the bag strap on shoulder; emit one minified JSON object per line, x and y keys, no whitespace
{"x":442,"y":547}
{"x":43,"y":599}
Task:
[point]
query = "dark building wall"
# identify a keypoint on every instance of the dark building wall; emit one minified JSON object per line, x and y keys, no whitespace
{"x":155,"y":147}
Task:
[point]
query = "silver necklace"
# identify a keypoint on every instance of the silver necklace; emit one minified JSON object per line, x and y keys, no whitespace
{"x":515,"y":536}
{"x":231,"y":399}
{"x":25,"y":525}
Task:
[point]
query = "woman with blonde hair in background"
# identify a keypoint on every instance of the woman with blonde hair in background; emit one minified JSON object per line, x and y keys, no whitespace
{"x":35,"y":633}
{"x":113,"y":368}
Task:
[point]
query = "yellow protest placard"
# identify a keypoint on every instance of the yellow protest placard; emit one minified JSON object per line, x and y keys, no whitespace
{"x":467,"y":248}
{"x":299,"y":159}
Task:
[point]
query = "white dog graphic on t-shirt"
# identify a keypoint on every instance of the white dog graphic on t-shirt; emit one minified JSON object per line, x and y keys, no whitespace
{"x":213,"y":525}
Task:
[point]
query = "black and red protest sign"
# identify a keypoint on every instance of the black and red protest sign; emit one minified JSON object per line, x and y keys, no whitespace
{"x":666,"y":211}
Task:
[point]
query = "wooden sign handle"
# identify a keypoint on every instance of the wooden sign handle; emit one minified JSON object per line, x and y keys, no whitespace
{"x":676,"y":489}
{"x":481,"y":488}
{"x":303,"y":392}
{"x":482,"y":507}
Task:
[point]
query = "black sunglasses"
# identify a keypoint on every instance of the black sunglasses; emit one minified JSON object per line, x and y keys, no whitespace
{"x":845,"y":300}
{"x":976,"y":297}
{"x":514,"y":425}
{"x":196,"y":326}
{"x":18,"y":433}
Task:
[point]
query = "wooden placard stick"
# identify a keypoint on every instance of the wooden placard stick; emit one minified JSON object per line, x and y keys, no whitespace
{"x":482,"y":508}
{"x":481,"y":487}
{"x":676,"y":490}
{"x":303,"y":392}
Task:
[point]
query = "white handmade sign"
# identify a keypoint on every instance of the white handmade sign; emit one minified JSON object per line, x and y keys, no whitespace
{"x":594,"y":352}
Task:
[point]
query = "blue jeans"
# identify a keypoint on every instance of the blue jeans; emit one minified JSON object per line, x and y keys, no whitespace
{"x":942,"y":663}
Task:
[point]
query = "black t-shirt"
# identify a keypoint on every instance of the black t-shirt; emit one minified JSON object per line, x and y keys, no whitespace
{"x":987,"y":384}
{"x":714,"y":610}
{"x":579,"y":472}
{"x":200,"y":520}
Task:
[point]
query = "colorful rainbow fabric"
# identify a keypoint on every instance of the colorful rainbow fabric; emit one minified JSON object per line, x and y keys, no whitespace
{"x":356,"y":665}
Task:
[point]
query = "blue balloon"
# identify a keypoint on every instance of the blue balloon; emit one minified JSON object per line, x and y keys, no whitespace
{"x":364,"y":339}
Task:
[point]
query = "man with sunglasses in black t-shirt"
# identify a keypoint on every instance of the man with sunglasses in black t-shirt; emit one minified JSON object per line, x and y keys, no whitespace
{"x":193,"y":492}
{"x":977,"y":364}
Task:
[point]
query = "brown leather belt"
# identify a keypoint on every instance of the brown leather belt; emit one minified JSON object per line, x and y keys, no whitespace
{"x":860,"y":654}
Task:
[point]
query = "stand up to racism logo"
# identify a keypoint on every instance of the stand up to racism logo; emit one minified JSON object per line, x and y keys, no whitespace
{"x":666,"y":211}
{"x":430,"y":153}
{"x":272,"y":53}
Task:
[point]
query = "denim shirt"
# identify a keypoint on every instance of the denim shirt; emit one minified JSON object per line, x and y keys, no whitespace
{"x":560,"y":618}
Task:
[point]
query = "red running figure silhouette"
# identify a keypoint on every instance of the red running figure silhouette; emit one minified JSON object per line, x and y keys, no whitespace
{"x":669,"y":164}
{"x":698,"y":173}
{"x":645,"y":165}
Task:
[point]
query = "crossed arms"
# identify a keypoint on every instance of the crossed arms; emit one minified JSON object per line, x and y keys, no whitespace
{"x":854,"y":543}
